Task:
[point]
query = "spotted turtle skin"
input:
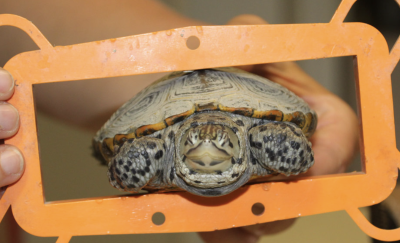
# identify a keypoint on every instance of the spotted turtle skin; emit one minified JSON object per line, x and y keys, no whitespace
{"x":207,"y":132}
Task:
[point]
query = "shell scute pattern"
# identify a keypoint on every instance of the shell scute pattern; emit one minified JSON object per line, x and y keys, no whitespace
{"x":172,"y":100}
{"x":200,"y":83}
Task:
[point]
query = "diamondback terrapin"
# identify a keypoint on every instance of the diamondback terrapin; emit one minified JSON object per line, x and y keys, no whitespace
{"x":207,"y":132}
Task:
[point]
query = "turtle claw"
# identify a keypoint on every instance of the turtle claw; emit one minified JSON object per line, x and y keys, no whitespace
{"x":281,"y":147}
{"x":136,"y":163}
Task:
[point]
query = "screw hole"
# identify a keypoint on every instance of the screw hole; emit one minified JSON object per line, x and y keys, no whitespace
{"x":158,"y":218}
{"x":193,"y":42}
{"x":257,"y":209}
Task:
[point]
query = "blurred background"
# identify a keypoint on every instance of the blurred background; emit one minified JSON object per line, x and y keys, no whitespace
{"x":64,"y":147}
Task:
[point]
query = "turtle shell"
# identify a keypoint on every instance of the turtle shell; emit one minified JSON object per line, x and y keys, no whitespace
{"x":181,"y":94}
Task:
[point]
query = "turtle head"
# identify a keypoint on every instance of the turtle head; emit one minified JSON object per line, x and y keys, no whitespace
{"x":211,"y":154}
{"x":209,"y":148}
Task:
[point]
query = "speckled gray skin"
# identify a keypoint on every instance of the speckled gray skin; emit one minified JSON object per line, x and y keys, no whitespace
{"x":155,"y":162}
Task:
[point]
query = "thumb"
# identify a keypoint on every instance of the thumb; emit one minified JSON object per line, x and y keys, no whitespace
{"x":11,"y":165}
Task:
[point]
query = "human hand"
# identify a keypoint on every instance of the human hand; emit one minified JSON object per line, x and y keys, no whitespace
{"x":334,"y":142}
{"x":11,"y":160}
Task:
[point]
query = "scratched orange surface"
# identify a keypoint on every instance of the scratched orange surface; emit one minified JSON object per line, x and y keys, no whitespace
{"x":219,"y":46}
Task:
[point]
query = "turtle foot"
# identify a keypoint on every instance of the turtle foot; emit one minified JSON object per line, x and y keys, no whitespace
{"x":281,"y":147}
{"x":136,"y":163}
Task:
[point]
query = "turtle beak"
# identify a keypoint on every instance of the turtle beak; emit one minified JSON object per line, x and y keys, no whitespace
{"x":207,"y":141}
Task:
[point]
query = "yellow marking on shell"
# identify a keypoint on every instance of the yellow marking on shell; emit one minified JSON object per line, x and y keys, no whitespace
{"x":120,"y":138}
{"x":211,"y":106}
{"x":310,"y":124}
{"x":307,"y":122}
{"x":273,"y":115}
{"x":107,"y":144}
{"x":241,"y":111}
{"x":297,"y":118}
{"x":180,"y":117}
{"x":149,"y":129}
{"x":287,"y":117}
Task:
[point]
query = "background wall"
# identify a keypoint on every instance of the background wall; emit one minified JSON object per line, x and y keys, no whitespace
{"x":61,"y":144}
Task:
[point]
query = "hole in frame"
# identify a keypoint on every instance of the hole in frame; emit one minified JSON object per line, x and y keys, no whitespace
{"x":158,"y":218}
{"x":258,"y":209}
{"x":193,"y":42}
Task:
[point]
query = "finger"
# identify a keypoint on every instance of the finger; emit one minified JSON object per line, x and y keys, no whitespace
{"x":234,"y":235}
{"x":11,"y":164}
{"x":6,"y":84}
{"x":9,"y":120}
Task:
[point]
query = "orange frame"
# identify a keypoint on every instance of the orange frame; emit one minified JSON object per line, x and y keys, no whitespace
{"x":165,"y":51}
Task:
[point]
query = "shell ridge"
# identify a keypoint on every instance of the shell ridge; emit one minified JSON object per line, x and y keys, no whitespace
{"x":170,"y":100}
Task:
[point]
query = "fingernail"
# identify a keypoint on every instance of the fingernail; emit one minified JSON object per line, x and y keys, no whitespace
{"x":8,"y":117}
{"x":6,"y":82}
{"x":11,"y":162}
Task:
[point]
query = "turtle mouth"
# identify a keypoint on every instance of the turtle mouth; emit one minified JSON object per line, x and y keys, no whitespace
{"x":207,"y":147}
{"x":207,"y":162}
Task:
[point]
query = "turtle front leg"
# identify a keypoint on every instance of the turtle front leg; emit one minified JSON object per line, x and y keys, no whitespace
{"x":281,"y":147}
{"x":137,"y":162}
